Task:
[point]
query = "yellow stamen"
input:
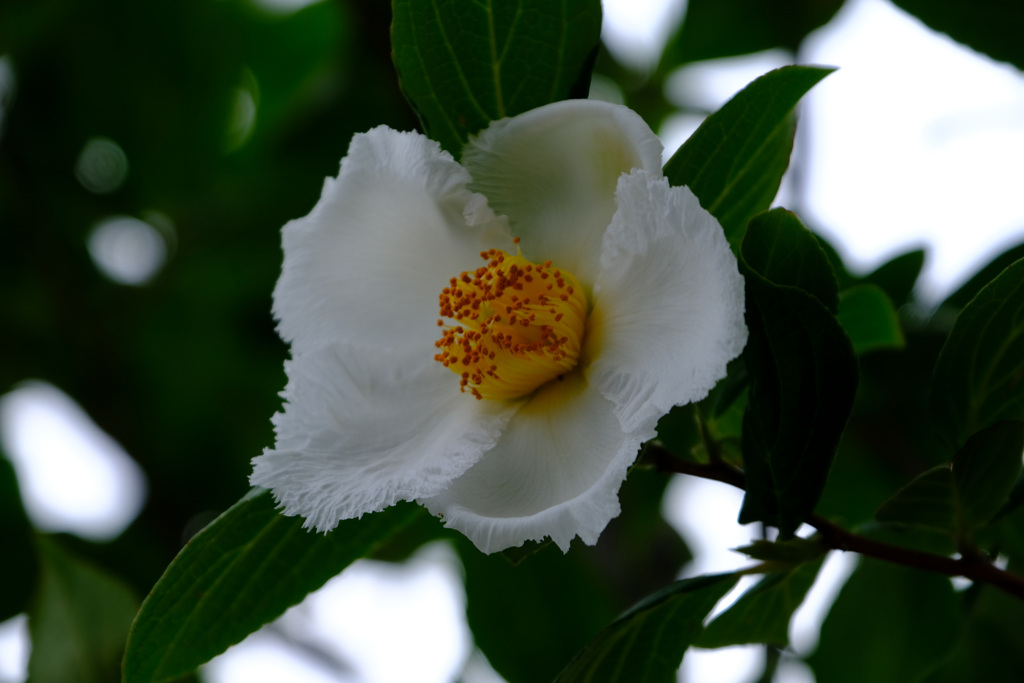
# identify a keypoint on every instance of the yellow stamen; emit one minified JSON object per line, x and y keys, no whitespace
{"x":515,"y":325}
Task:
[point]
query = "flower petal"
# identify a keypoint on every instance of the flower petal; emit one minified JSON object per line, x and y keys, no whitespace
{"x":668,"y":305}
{"x":553,"y":172}
{"x":367,"y":264}
{"x":365,"y":428}
{"x":556,"y":472}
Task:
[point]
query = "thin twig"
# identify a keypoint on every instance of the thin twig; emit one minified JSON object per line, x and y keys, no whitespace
{"x":834,"y":537}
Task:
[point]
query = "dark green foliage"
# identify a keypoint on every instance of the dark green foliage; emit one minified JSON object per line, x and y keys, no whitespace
{"x":647,"y":643}
{"x":843,"y":276}
{"x":967,"y":291}
{"x":793,"y":551}
{"x":17,"y":576}
{"x":979,"y":378}
{"x":724,"y":28}
{"x":78,"y":620}
{"x":679,"y":432}
{"x":991,"y":646}
{"x":897,"y":277}
{"x":985,"y":469}
{"x":803,"y":374}
{"x":242,"y":571}
{"x":534,"y":52}
{"x":762,"y":614}
{"x":889,"y":624}
{"x":184,"y":371}
{"x":930,"y":501}
{"x":869,"y":319}
{"x":728,"y":390}
{"x":779,"y":249}
{"x":989,"y":26}
{"x":552,"y":604}
{"x":735,"y":161}
{"x":549,"y":605}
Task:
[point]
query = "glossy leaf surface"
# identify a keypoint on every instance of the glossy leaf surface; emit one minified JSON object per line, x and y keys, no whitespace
{"x":781,"y":250}
{"x":803,"y":377}
{"x":465,"y":64}
{"x":735,"y":161}
{"x":242,"y":571}
{"x":979,"y":377}
{"x":989,"y":26}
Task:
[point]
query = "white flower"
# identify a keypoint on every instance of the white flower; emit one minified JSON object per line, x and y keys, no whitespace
{"x":626,"y":297}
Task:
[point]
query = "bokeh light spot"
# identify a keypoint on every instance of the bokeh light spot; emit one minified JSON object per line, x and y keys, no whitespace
{"x":102,"y":165}
{"x":636,"y":31}
{"x":283,"y":7}
{"x":7,"y":83}
{"x":73,"y":476}
{"x":127,"y":250}
{"x":242,"y":120}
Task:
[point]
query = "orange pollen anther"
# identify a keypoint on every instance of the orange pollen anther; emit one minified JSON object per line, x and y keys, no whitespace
{"x":509,"y":328}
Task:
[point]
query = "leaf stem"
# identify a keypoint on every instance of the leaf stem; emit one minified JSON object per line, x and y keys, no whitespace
{"x":974,"y":567}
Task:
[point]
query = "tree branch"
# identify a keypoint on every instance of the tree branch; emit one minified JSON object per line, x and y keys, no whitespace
{"x":834,"y":537}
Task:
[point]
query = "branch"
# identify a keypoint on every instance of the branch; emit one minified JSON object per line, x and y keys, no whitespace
{"x":835,"y":537}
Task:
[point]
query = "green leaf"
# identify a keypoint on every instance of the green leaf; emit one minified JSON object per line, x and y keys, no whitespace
{"x":465,"y":64}
{"x":868,"y":317}
{"x":888,"y":625}
{"x":727,"y":391}
{"x":521,"y":552}
{"x":723,"y":433}
{"x":929,"y":500}
{"x":795,"y":550}
{"x":979,"y":377}
{"x":991,"y":647}
{"x":970,"y":289}
{"x":985,"y":470}
{"x":989,"y":26}
{"x":803,"y":377}
{"x":762,"y":614}
{"x":956,"y":499}
{"x":1014,"y":500}
{"x":735,"y":161}
{"x":784,"y":252}
{"x":18,"y":578}
{"x":240,"y":572}
{"x":647,"y":643}
{"x":552,"y":604}
{"x":843,"y":276}
{"x":898,"y":277}
{"x":724,"y":28}
{"x":1010,"y":528}
{"x":679,"y":431}
{"x":78,"y":620}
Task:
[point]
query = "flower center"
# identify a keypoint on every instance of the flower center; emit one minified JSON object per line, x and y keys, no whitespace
{"x":517,"y":325}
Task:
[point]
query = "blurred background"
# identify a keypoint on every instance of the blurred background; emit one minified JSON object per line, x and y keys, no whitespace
{"x":151,"y":152}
